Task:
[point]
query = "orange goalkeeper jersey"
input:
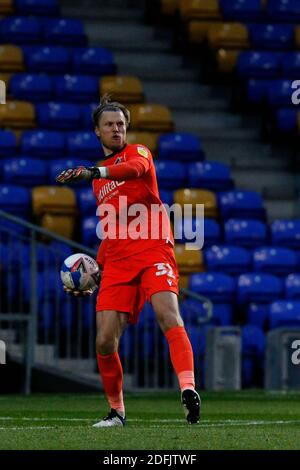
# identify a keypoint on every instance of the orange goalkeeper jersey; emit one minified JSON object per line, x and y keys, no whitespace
{"x":132,"y":216}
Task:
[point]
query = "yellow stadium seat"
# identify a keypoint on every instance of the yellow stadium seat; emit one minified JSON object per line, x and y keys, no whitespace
{"x":199,"y":9}
{"x":297,"y":37}
{"x":151,"y":117}
{"x":197,"y":196}
{"x":227,"y":60}
{"x":188,"y":261}
{"x":184,"y":281}
{"x":11,"y":58}
{"x":149,"y":139}
{"x":126,"y":89}
{"x":6,"y":7}
{"x":228,"y":35}
{"x":169,"y":7}
{"x":53,"y":200}
{"x":198,"y":31}
{"x":61,"y":224}
{"x":17,"y":114}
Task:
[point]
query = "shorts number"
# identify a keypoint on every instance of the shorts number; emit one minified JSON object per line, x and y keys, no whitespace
{"x":164,"y":268}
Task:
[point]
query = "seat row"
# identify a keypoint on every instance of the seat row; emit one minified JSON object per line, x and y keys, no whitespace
{"x":30,"y":7}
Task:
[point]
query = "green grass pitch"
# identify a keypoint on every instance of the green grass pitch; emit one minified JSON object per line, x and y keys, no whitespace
{"x":237,"y":420}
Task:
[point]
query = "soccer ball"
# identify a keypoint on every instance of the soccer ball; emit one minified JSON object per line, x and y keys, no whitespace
{"x":80,"y":272}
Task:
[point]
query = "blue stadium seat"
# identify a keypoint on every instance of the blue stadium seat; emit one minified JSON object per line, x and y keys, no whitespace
{"x":190,"y":226}
{"x":48,"y":256}
{"x":286,"y":233}
{"x":57,"y":166}
{"x":88,"y":231}
{"x":166,"y":196}
{"x":86,"y":115}
{"x":15,"y":199}
{"x":31,"y":87}
{"x":20,"y":30}
{"x":292,"y":286}
{"x":64,"y":31}
{"x":279,"y":93}
{"x":286,"y":120}
{"x":227,"y":259}
{"x":78,"y":88}
{"x":241,"y":10}
{"x":284,"y":10}
{"x":8,"y":143}
{"x":194,"y":312}
{"x":253,"y":341}
{"x":170,"y":174}
{"x":49,"y":285}
{"x":180,"y":146}
{"x":47,"y":59}
{"x":88,"y":314}
{"x":241,"y":204}
{"x":86,"y":201}
{"x":37,"y":7}
{"x":290,"y":64}
{"x":258,"y":314}
{"x":256,"y":64}
{"x":253,"y":348}
{"x":47,"y":144}
{"x":257,"y":90}
{"x":216,"y":286}
{"x":258,"y":287}
{"x":211,"y":175}
{"x":284,"y":313}
{"x":279,"y":261}
{"x":247,"y":233}
{"x":84,"y":145}
{"x":25,"y":171}
{"x":271,"y":36}
{"x":60,"y":116}
{"x":93,"y":60}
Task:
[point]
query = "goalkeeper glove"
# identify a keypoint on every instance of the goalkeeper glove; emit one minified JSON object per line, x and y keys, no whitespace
{"x":81,"y":173}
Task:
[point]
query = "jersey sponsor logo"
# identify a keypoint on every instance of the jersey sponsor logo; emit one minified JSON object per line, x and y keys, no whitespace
{"x":108,"y":188}
{"x":142,"y":151}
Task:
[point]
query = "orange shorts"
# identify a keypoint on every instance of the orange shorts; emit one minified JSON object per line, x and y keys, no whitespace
{"x":127,"y":283}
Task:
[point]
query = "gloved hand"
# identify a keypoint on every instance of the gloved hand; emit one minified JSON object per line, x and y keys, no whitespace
{"x":78,"y":293}
{"x":78,"y":174}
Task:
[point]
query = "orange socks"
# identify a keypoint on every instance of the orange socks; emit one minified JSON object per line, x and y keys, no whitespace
{"x":111,"y":372}
{"x":181,"y":356}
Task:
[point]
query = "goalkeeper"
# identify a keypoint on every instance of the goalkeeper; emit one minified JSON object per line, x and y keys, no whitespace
{"x":135,"y":269}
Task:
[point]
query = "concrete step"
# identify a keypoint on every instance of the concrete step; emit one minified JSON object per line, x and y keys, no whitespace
{"x":43,"y":354}
{"x":8,"y":335}
{"x":281,"y":209}
{"x":269,"y":180}
{"x":87,"y":12}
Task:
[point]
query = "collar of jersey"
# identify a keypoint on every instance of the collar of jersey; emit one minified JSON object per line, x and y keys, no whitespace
{"x":115,"y":153}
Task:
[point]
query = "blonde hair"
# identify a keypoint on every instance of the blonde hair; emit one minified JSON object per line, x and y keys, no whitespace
{"x":107,"y":105}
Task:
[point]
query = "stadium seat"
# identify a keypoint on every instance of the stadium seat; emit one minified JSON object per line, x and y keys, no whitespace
{"x":286,"y":233}
{"x":86,"y":201}
{"x":63,"y":225}
{"x":258,"y":314}
{"x":279,"y":93}
{"x":151,"y":117}
{"x":89,"y":231}
{"x":31,"y":87}
{"x":290,"y":64}
{"x":217,"y":287}
{"x":49,"y":59}
{"x":257,"y":90}
{"x":211,"y":175}
{"x":57,"y":166}
{"x":284,"y":313}
{"x":149,"y":139}
{"x":78,"y":88}
{"x":17,"y":115}
{"x":258,"y":287}
{"x":93,"y":61}
{"x":15,"y":199}
{"x":166,"y":196}
{"x":286,"y":120}
{"x":212,"y":232}
{"x":37,"y":7}
{"x":7,"y":7}
{"x":197,"y":9}
{"x":279,"y":261}
{"x":43,"y":144}
{"x":241,"y":10}
{"x":86,"y":112}
{"x":11,"y":58}
{"x":20,"y":30}
{"x":292,"y":286}
{"x":241,"y":204}
{"x":127,"y":89}
{"x":168,"y":7}
{"x":64,"y":31}
{"x":24,"y":171}
{"x":254,"y":64}
{"x":58,"y":116}
{"x":170,"y":175}
{"x":197,"y":196}
{"x":84,"y":145}
{"x":188,"y":261}
{"x":253,"y":348}
{"x":197,"y":30}
{"x":185,"y":230}
{"x":227,"y":259}
{"x":180,"y":146}
{"x":247,"y":233}
{"x":227,"y":60}
{"x":8,"y":143}
{"x":297,"y":37}
{"x":270,"y":36}
{"x":228,"y":35}
{"x":194,"y":312}
{"x":284,"y":10}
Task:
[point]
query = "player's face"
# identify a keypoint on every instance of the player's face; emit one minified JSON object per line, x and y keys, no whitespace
{"x":111,"y":130}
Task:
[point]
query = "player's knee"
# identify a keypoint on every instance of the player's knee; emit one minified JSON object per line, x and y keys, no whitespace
{"x":106,"y":344}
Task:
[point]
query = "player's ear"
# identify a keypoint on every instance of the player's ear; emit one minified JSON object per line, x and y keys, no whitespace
{"x":97,"y":131}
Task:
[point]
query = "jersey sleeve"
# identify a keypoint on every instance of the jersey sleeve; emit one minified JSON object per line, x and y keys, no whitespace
{"x":139,"y":160}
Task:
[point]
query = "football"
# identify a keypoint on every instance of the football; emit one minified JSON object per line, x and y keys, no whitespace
{"x":80,"y":272}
